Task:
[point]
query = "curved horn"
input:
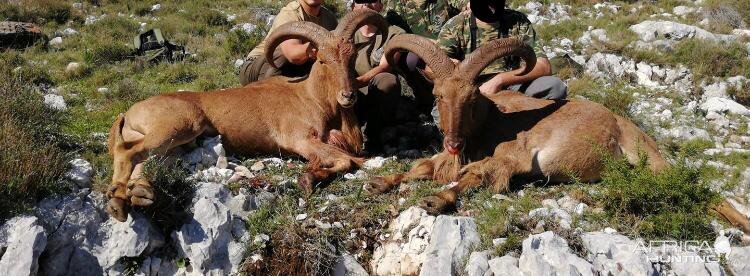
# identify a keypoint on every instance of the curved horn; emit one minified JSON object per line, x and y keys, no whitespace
{"x":358,"y":18}
{"x":472,"y":66}
{"x":425,"y":49}
{"x":307,"y":31}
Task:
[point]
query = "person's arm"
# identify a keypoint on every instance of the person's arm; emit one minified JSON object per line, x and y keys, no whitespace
{"x":505,"y":79}
{"x":365,"y":78}
{"x":298,"y":52}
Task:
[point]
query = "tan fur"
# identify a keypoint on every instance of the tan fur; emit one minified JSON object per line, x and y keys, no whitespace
{"x":310,"y":118}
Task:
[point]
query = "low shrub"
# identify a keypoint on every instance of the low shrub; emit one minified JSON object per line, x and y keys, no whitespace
{"x":107,"y":53}
{"x":173,"y":191}
{"x":674,"y":203}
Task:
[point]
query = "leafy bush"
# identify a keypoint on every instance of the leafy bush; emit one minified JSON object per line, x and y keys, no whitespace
{"x":173,"y":192}
{"x":673,"y":203}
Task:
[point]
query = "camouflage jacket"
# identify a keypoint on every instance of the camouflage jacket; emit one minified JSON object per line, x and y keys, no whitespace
{"x":422,"y":17}
{"x":455,"y":37}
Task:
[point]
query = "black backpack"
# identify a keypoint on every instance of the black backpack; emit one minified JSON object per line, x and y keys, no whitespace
{"x":152,"y":45}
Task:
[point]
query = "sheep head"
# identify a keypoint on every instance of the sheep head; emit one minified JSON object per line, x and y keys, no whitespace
{"x":456,"y":88}
{"x":335,"y":51}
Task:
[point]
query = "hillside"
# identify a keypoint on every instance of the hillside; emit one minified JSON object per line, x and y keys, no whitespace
{"x":679,"y":69}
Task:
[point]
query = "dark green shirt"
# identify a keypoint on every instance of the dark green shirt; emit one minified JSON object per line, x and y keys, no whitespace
{"x":455,"y":37}
{"x":422,"y":17}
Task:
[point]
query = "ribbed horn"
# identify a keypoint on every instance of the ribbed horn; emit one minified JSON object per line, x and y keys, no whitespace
{"x":425,"y":49}
{"x":306,"y":31}
{"x":358,"y":18}
{"x":472,"y":66}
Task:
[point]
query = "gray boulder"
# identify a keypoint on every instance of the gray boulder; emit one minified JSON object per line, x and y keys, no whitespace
{"x":738,"y":260}
{"x":348,"y":266}
{"x":22,"y":241}
{"x":55,"y":102}
{"x":477,"y":265}
{"x":721,"y":105}
{"x":505,"y":265}
{"x":615,"y":254}
{"x":549,"y":254}
{"x":451,"y":242}
{"x":652,"y":30}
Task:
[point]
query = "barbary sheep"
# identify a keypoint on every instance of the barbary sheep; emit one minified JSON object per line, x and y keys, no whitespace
{"x":488,"y":140}
{"x":310,"y":117}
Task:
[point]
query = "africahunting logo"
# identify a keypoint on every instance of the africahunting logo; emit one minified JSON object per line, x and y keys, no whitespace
{"x":673,"y":251}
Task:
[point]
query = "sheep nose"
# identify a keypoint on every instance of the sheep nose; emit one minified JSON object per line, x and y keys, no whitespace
{"x":454,"y":146}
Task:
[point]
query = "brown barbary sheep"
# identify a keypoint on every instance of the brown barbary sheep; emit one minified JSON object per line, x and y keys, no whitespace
{"x":311,"y":117}
{"x":488,"y":140}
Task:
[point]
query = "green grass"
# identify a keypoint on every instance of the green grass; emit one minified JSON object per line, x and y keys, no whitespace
{"x":617,"y":97}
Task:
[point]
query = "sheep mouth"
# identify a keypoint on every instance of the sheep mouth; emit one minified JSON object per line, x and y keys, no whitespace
{"x":347,"y":102}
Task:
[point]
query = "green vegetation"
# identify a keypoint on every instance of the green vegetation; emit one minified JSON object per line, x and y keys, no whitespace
{"x":616,"y":97}
{"x":173,"y":192}
{"x":674,"y":203}
{"x":33,"y":155}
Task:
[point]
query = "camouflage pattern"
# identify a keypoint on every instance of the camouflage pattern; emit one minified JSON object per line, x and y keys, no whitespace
{"x":422,"y":17}
{"x":455,"y":37}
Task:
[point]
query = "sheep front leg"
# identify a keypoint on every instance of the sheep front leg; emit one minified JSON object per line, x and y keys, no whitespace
{"x":496,"y":171}
{"x":325,"y":160}
{"x":421,"y":170}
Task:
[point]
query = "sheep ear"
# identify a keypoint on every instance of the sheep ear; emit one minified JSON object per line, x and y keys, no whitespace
{"x":513,"y":101}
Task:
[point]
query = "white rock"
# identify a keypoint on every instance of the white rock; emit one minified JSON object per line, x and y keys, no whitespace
{"x":505,"y":265}
{"x":129,"y":239}
{"x":102,"y":90}
{"x":738,"y":260}
{"x":404,"y":251}
{"x":358,"y":175}
{"x":258,"y":166}
{"x":451,"y":242}
{"x":73,"y":68}
{"x":549,"y":254}
{"x":80,"y":172}
{"x":22,"y":241}
{"x":720,"y":105}
{"x":246,"y":27}
{"x":651,"y":30}
{"x":238,"y":63}
{"x":689,"y":133}
{"x":69,"y":32}
{"x":682,"y":10}
{"x":301,"y":217}
{"x":156,"y":7}
{"x":56,"y":42}
{"x":616,"y":254}
{"x":55,"y":102}
{"x":348,"y":266}
{"x":375,"y":162}
{"x":477,"y":264}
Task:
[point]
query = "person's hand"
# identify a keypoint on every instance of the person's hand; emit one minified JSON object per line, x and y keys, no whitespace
{"x":361,"y":81}
{"x":312,"y":53}
{"x":491,"y":87}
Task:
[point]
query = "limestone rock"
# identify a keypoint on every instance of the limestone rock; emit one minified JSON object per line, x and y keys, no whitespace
{"x":403,"y":253}
{"x":651,"y":30}
{"x":505,"y":265}
{"x":22,"y":241}
{"x":55,"y":102}
{"x":549,"y":254}
{"x":616,"y":254}
{"x":477,"y":264}
{"x":738,"y":260}
{"x":721,"y":105}
{"x":80,"y":172}
{"x":348,"y":266}
{"x":451,"y":241}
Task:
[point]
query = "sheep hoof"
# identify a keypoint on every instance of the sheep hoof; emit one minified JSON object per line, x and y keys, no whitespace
{"x":435,"y":205}
{"x":306,"y":182}
{"x":141,"y":196}
{"x":111,"y":191}
{"x":377,"y":185}
{"x":117,"y":208}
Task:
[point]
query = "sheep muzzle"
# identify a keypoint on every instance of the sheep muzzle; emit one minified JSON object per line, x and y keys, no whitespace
{"x":347,"y":99}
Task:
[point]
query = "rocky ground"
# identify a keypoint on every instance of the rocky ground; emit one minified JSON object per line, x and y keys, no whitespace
{"x":675,"y":68}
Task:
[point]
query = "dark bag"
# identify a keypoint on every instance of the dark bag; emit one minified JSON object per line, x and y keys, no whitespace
{"x":152,"y":45}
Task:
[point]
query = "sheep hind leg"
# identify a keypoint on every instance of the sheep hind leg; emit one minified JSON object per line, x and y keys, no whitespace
{"x":421,"y":170}
{"x":495,"y":171}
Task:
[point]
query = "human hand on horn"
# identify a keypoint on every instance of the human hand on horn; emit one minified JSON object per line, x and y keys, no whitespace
{"x":492,"y":86}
